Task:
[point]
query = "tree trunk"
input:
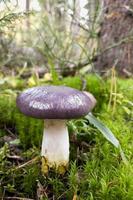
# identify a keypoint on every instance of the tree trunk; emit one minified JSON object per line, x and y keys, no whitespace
{"x":116,"y":37}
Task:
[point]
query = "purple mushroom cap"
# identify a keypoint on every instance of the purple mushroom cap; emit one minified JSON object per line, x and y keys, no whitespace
{"x":55,"y":102}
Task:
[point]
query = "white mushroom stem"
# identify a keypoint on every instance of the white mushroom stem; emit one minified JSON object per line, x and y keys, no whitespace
{"x":55,"y":144}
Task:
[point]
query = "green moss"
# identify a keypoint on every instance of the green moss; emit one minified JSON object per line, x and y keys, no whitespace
{"x":7,"y":108}
{"x":30,"y":130}
{"x":29,"y":183}
{"x":96,"y":171}
{"x":74,"y":82}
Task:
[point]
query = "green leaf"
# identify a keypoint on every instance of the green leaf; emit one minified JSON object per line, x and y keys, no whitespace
{"x":106,"y":133}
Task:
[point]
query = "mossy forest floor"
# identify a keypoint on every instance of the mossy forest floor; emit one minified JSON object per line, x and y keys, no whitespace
{"x":96,"y":170}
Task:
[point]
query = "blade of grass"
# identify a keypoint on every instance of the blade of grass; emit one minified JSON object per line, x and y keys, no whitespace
{"x":107,"y":134}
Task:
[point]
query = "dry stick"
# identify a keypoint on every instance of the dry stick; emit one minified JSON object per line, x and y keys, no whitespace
{"x":10,"y":132}
{"x":17,"y":198}
{"x":15,"y":157}
{"x":113,"y":85}
{"x":111,"y":91}
{"x":27,"y":163}
{"x":75,"y":197}
{"x":115,"y":89}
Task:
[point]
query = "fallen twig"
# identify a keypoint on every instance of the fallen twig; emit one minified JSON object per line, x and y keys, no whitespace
{"x":34,"y":160}
{"x":15,"y":157}
{"x":17,"y":198}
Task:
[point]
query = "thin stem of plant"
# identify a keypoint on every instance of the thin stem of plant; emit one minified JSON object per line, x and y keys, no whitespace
{"x":113,"y":87}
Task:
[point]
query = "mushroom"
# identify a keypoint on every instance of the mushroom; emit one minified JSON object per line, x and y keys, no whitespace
{"x":56,"y":105}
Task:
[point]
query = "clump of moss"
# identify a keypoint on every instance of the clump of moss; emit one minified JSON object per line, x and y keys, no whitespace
{"x":74,"y":82}
{"x":29,"y":130}
{"x":7,"y":108}
{"x":96,"y":170}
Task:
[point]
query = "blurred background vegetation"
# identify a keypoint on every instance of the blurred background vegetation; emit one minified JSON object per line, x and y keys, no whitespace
{"x":59,"y":33}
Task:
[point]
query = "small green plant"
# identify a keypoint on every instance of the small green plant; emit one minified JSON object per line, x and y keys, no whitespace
{"x":96,"y":169}
{"x":106,"y":133}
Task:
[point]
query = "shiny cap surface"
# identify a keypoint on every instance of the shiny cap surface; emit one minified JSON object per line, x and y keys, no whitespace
{"x":55,"y":102}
